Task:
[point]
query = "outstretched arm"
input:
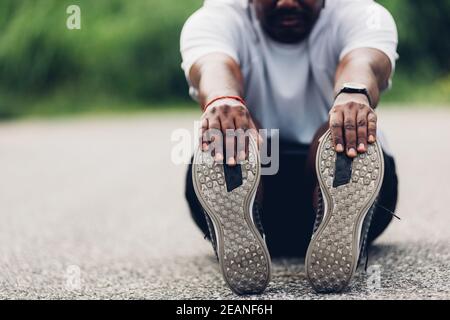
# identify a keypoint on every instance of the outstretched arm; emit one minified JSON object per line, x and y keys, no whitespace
{"x":215,"y":75}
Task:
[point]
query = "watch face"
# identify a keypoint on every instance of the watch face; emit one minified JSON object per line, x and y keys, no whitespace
{"x":355,"y":86}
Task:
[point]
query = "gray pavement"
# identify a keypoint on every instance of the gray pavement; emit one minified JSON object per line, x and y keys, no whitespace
{"x":94,"y":208}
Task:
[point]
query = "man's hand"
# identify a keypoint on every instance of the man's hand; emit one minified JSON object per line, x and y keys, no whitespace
{"x":353,"y":124}
{"x":225,"y":122}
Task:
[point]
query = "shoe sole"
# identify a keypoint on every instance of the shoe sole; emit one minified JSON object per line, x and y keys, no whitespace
{"x":243,"y":256}
{"x":333,"y":253}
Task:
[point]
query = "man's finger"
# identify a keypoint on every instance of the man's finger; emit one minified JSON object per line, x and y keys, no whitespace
{"x":227,"y":125}
{"x":215,"y":134}
{"x":372,"y":127}
{"x":350,"y":131}
{"x":361,"y":122}
{"x":241,"y":124}
{"x":202,"y":139}
{"x":336,"y":124}
{"x":230,"y":135}
{"x":240,"y":145}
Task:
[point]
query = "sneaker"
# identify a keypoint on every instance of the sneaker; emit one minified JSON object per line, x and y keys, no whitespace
{"x":227,"y":196}
{"x":348,"y":193}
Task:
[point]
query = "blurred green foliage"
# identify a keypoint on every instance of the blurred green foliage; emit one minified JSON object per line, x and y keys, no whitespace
{"x":125,"y":50}
{"x":128,"y":51}
{"x":423,"y":71}
{"x":423,"y":31}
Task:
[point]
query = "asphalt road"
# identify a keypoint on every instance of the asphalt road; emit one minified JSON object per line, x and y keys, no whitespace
{"x":94,"y":208}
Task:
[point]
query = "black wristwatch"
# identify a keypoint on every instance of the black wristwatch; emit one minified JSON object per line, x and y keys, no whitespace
{"x":355,"y":88}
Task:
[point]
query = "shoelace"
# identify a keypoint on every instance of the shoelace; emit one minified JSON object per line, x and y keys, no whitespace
{"x":388,"y":211}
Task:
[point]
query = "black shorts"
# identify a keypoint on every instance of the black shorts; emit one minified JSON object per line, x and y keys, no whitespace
{"x":287,"y":209}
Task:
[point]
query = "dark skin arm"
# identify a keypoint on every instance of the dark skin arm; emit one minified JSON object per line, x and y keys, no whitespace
{"x":217,"y":75}
{"x":353,"y":121}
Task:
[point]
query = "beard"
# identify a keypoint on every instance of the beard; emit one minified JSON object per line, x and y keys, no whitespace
{"x":289,"y":25}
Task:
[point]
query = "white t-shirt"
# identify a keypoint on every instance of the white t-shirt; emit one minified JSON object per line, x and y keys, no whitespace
{"x":288,"y":87}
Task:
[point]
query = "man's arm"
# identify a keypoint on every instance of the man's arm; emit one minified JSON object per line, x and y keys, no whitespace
{"x":218,"y":75}
{"x":353,"y":122}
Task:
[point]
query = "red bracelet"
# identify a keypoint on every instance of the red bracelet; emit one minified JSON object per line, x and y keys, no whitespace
{"x":224,"y":97}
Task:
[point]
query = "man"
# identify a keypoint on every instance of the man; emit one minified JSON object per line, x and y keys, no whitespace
{"x":311,"y":69}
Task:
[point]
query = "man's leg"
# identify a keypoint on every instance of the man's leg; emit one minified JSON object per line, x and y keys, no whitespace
{"x":287,"y":213}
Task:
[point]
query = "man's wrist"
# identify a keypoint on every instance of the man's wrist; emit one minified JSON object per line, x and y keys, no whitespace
{"x":355,"y":88}
{"x":344,"y":98}
{"x":232,"y":100}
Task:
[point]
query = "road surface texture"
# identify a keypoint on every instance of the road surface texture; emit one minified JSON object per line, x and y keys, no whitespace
{"x":93,"y":208}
